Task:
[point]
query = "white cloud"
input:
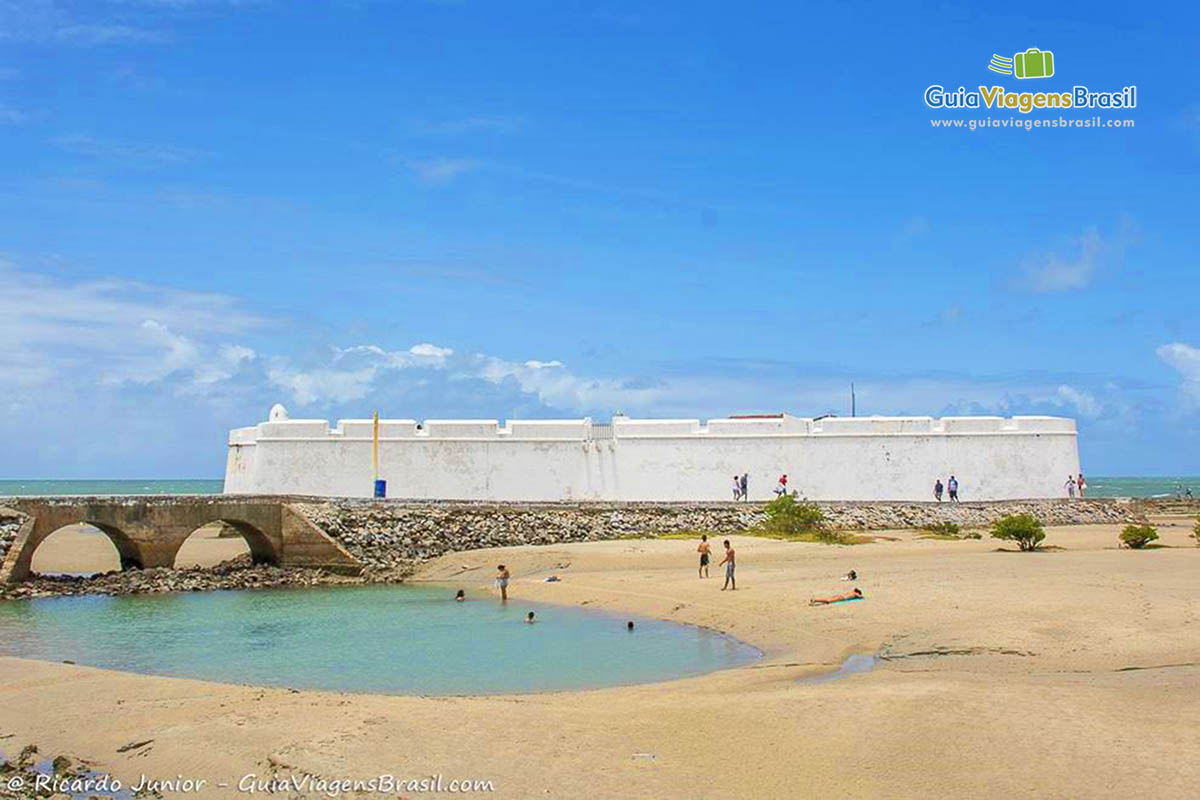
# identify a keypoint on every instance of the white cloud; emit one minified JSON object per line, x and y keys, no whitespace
{"x":113,"y":331}
{"x":1051,"y":272}
{"x":1185,"y":360}
{"x":48,"y":22}
{"x":135,"y":154}
{"x":441,"y":170}
{"x":11,"y":116}
{"x":1084,"y":402}
{"x":478,"y":123}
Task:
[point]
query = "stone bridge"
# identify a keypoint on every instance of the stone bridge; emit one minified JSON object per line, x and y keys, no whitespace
{"x":148,"y":531}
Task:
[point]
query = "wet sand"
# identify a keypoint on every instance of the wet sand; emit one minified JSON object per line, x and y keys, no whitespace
{"x":1070,"y":673}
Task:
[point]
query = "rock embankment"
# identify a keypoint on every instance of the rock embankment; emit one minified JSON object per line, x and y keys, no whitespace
{"x":393,"y":537}
{"x":883,"y":516}
{"x":230,"y":575}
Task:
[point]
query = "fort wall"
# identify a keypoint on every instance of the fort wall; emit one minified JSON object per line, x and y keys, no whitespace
{"x":860,"y":458}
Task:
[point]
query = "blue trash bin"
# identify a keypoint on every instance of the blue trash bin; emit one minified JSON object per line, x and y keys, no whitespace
{"x":380,"y":488}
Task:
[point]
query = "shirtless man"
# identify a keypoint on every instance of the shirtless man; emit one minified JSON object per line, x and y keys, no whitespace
{"x":729,"y":566}
{"x":502,"y":576}
{"x":705,"y":551}
{"x":837,"y":598}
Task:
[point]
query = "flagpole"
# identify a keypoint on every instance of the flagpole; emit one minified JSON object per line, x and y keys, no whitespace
{"x":375,"y":444}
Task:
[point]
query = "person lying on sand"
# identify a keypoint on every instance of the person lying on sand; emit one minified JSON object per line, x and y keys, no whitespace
{"x":837,"y":598}
{"x":850,"y":576}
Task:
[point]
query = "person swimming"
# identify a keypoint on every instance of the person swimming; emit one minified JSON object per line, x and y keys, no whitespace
{"x":837,"y":598}
{"x":460,"y":596}
{"x":529,"y":620}
{"x":629,"y":625}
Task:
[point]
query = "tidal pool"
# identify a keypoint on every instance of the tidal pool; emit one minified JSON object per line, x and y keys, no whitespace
{"x":379,"y":639}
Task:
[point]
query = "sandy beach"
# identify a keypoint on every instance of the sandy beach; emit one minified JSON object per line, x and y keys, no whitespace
{"x":1067,"y":673}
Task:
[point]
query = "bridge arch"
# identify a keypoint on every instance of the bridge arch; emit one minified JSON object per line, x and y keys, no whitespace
{"x":129,"y":556}
{"x":261,"y":547}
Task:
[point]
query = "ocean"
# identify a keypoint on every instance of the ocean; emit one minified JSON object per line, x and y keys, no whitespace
{"x":1098,"y":486}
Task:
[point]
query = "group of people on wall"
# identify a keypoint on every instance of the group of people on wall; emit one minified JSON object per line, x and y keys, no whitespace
{"x":1076,"y":484}
{"x":741,"y":486}
{"x":951,"y":486}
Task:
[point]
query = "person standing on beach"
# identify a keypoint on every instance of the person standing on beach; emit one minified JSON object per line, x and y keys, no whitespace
{"x":1071,"y":487}
{"x":952,"y":487}
{"x":1080,"y":484}
{"x":745,"y":482}
{"x":705,"y":551}
{"x":937,"y":489}
{"x":737,"y":488}
{"x":730,"y":582}
{"x":502,"y":576}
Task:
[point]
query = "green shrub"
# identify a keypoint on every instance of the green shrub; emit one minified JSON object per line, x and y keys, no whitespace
{"x":1024,"y":529}
{"x":786,"y":516}
{"x":943,"y":529}
{"x":1138,"y":536}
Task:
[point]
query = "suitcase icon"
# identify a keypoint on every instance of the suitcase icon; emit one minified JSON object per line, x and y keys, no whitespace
{"x":1034,"y":63}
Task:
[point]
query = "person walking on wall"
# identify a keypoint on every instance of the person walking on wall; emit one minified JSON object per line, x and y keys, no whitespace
{"x":952,"y":488}
{"x":728,"y":561}
{"x":745,"y":482}
{"x":705,"y":551}
{"x":737,"y":488}
{"x":937,"y":489}
{"x":1081,"y":485}
{"x":781,"y":489}
{"x":1071,"y":487}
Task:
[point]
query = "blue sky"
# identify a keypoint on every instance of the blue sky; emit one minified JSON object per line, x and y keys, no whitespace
{"x":537,"y":209}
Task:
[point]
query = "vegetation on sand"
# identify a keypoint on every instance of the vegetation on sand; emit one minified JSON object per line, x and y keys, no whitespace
{"x":1024,"y":529}
{"x":801,"y":522}
{"x":946,"y":530}
{"x":1138,"y":536}
{"x":786,"y":516}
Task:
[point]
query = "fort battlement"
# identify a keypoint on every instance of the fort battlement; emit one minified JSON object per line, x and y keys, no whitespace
{"x":831,"y":458}
{"x":585,"y":430}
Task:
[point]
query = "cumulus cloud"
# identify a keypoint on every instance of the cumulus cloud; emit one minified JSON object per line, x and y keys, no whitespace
{"x":1185,"y":360}
{"x":112,"y":331}
{"x":104,"y":372}
{"x":1083,"y":402}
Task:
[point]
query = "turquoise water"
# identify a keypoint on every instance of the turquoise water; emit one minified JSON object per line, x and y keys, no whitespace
{"x":378,"y":639}
{"x":1142,"y":487}
{"x":100,"y":487}
{"x":1098,"y":486}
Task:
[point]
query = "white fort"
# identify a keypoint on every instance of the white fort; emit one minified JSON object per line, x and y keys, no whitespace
{"x":832,"y":458}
